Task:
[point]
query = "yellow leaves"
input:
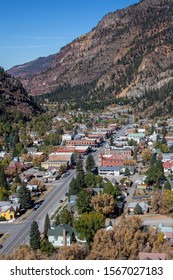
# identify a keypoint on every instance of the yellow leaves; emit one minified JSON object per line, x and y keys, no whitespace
{"x":103,"y":203}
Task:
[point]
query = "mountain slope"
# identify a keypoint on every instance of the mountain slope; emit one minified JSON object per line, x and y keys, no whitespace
{"x":14,"y":98}
{"x":129,"y":51}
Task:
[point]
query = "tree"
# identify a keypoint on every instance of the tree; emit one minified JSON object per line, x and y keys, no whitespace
{"x":3,"y":180}
{"x":79,"y":166}
{"x":34,"y":236}
{"x":88,"y":224}
{"x":73,"y":188}
{"x":46,"y":246}
{"x":66,"y":217}
{"x":90,"y":163}
{"x":167,"y":185}
{"x":146,"y":155}
{"x":103,"y":203}
{"x":127,"y":172}
{"x":24,"y":198}
{"x":111,"y":140}
{"x":83,"y":202}
{"x":138,"y":209}
{"x":109,"y":188}
{"x":125,"y":241}
{"x":46,"y":225}
{"x":90,"y":180}
{"x":80,"y":180}
{"x":62,"y":168}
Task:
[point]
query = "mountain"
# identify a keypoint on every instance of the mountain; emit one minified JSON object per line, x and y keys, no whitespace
{"x":128,"y":52}
{"x":14,"y":98}
{"x":36,"y":66}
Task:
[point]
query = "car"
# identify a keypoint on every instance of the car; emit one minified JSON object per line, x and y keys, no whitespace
{"x":60,"y":201}
{"x":1,"y":246}
{"x":66,"y":194}
{"x":36,"y":207}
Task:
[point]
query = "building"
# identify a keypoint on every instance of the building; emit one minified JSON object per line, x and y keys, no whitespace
{"x":9,"y":210}
{"x":62,"y":156}
{"x":168,"y":167}
{"x":67,"y":137}
{"x":114,"y":170}
{"x":82,"y":142}
{"x":125,"y":151}
{"x":112,"y":160}
{"x":62,"y":235}
{"x":143,"y":205}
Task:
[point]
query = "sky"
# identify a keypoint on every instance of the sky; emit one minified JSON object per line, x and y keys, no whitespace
{"x":36,"y":28}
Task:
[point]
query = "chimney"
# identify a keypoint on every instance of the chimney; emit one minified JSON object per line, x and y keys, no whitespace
{"x":64,"y":237}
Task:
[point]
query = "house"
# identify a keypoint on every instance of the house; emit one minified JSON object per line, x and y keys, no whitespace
{"x":143,"y":205}
{"x":152,"y":256}
{"x":9,"y":211}
{"x":66,"y":137}
{"x":167,"y":157}
{"x":167,"y":232}
{"x":168,"y":166}
{"x":14,"y":198}
{"x":62,"y":235}
{"x":136,"y":136}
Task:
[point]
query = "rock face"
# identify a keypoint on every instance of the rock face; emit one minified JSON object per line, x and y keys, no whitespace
{"x":129,"y":51}
{"x":14,"y":98}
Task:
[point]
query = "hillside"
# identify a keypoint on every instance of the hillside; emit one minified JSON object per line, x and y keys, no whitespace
{"x":128,"y":52}
{"x":14,"y":98}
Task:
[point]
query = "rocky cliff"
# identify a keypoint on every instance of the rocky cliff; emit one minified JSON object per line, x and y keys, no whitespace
{"x":129,"y":51}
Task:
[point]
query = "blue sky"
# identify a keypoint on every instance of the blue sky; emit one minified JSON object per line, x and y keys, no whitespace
{"x":34,"y":28}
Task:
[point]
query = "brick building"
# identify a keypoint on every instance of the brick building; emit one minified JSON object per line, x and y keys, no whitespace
{"x":112,"y":160}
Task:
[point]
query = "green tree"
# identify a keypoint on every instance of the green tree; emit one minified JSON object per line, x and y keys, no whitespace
{"x":90,"y":180}
{"x":88,"y":224}
{"x":167,"y":185}
{"x":90,"y":163}
{"x":34,"y":236}
{"x":24,"y":198}
{"x":80,"y":180}
{"x":138,"y":209}
{"x":46,"y":247}
{"x":3,"y":180}
{"x":83,"y":202}
{"x":109,"y":188}
{"x":73,"y":187}
{"x":111,"y":140}
{"x":66,"y":217}
{"x":127,"y":172}
{"x":46,"y":225}
{"x":79,"y":166}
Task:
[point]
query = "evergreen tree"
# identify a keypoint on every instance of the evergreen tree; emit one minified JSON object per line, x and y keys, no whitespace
{"x":73,"y":187}
{"x":3,"y":180}
{"x":111,"y":140}
{"x":83,"y":202}
{"x":24,"y":198}
{"x":34,"y":236}
{"x":79,"y":166}
{"x":46,"y":225}
{"x":167,"y":185}
{"x":138,"y":209}
{"x":126,"y":172}
{"x":90,"y":163}
{"x":80,"y":180}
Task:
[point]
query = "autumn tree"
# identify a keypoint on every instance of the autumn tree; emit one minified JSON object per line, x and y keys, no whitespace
{"x":146,"y":155}
{"x":88,"y":224}
{"x":73,"y":252}
{"x":125,"y":241}
{"x":103,"y":203}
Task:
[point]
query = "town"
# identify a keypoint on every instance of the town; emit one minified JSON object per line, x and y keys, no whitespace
{"x":76,"y":169}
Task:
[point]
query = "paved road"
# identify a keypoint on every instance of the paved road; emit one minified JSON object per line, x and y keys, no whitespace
{"x":19,"y":230}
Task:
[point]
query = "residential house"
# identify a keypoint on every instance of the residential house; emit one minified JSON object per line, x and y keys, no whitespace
{"x":9,"y":210}
{"x":168,"y":167}
{"x":62,"y":235}
{"x":152,"y":256}
{"x":136,"y":136}
{"x":143,"y":205}
{"x":167,"y":232}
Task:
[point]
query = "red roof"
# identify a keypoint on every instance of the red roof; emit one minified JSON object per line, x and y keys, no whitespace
{"x":167,"y":164}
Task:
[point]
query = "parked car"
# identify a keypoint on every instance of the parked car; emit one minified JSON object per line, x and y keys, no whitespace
{"x":1,"y":246}
{"x":60,"y":201}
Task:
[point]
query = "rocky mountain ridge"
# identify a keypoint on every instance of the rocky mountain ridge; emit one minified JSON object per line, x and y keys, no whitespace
{"x":128,"y":52}
{"x":14,"y":98}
